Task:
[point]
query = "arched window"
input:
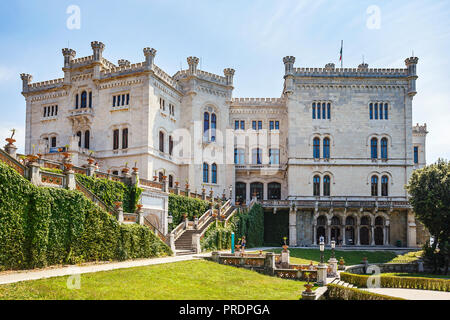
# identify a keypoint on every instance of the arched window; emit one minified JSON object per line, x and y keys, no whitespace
{"x":374,"y":186}
{"x":329,"y":111}
{"x":381,"y":111}
{"x":365,"y":221}
{"x":384,"y":186}
{"x":316,"y":148}
{"x":324,"y":114}
{"x":379,"y":221}
{"x":116,"y":139}
{"x":125,"y":138}
{"x":384,"y":148}
{"x":326,"y":148}
{"x":386,"y":111}
{"x":87,"y":137}
{"x":170,"y":181}
{"x":374,"y":148}
{"x":335,"y":221}
{"x":76,"y":101}
{"x":205,"y":173}
{"x":371,"y":111}
{"x":274,"y":191}
{"x":256,"y":188}
{"x":170,"y":145}
{"x":79,"y":138}
{"x":83,"y":99}
{"x":161,"y":141}
{"x":350,"y":221}
{"x":206,"y":126}
{"x":90,"y":99}
{"x":326,"y":186}
{"x":316,"y":186}
{"x":214,"y":173}
{"x":241,"y":191}
{"x":321,"y":221}
{"x":161,"y":177}
{"x":213,"y":127}
{"x":318,"y":110}
{"x":376,"y":111}
{"x":314,"y":110}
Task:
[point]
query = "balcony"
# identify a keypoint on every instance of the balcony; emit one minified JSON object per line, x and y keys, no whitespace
{"x":263,"y":169}
{"x":82,"y":115}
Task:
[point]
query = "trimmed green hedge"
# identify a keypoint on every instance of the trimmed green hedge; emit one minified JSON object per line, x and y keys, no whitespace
{"x":48,"y":226}
{"x":217,"y":237}
{"x":251,"y":225}
{"x":179,"y":205}
{"x":337,"y":292}
{"x":398,"y":282}
{"x":111,"y":192}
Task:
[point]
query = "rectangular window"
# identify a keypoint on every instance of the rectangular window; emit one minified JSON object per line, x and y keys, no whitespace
{"x":254,"y":125}
{"x":371,"y":111}
{"x":128,"y":99}
{"x":242,"y":125}
{"x":53,"y":142}
{"x":125,"y":138}
{"x":256,"y":156}
{"x":386,"y":111}
{"x":324,"y":115}
{"x":90,"y":99}
{"x":271,"y":125}
{"x":116,"y":139}
{"x":236,"y":125}
{"x":114,"y":101}
{"x":277,"y":125}
{"x":318,"y":111}
{"x":416,"y":155}
{"x":259,"y":125}
{"x":376,"y":111}
{"x":381,"y":111}
{"x":56,"y":110}
{"x":314,"y":110}
{"x":328,"y":111}
{"x":274,"y":156}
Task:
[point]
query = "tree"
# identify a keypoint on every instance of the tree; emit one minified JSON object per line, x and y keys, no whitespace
{"x":429,"y":190}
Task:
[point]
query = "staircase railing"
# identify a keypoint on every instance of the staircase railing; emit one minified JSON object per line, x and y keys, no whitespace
{"x":90,"y":195}
{"x":178,"y":230}
{"x":204,"y":218}
{"x":155,"y":229}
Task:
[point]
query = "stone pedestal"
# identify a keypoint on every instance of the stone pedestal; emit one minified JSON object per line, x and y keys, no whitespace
{"x":11,"y":149}
{"x":333,"y":263}
{"x":322,"y":275}
{"x":215,"y":256}
{"x":196,"y":243}
{"x":308,"y":295}
{"x":420,"y":266}
{"x":120,"y":214}
{"x":269,"y":263}
{"x":411,"y":230}
{"x":134,"y":177}
{"x":293,"y":227}
{"x":140,"y":217}
{"x":71,"y":183}
{"x":34,"y":173}
{"x":91,"y":169}
{"x":285,"y":258}
{"x":172,"y":242}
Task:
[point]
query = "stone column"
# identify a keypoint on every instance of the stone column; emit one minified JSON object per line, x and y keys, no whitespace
{"x":314,"y":233}
{"x":343,"y":235}
{"x":322,"y":275}
{"x":269,"y":263}
{"x":247,"y":193}
{"x":71,"y":183}
{"x":215,"y":256}
{"x":293,"y":227}
{"x":172,"y":242}
{"x":90,"y":169}
{"x":372,"y":235}
{"x":135,"y":176}
{"x":120,"y":214}
{"x":357,"y":234}
{"x":196,"y":243}
{"x":328,"y":234}
{"x":140,"y":216}
{"x":411,"y":230}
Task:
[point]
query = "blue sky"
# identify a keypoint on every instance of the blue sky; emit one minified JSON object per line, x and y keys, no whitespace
{"x":249,"y":36}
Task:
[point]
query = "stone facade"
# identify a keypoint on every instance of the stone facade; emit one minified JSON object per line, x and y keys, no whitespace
{"x":310,"y":151}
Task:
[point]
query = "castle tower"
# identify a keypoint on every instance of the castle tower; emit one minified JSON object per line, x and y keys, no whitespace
{"x":123,"y":63}
{"x":193,"y":63}
{"x":69,"y":55}
{"x":149,"y":54}
{"x":288,"y":74}
{"x":97,"y":48}
{"x":26,"y":79}
{"x":229,"y":74}
{"x":411,"y":64}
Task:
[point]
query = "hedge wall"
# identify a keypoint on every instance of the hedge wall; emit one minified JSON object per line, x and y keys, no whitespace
{"x":336,"y":292}
{"x":251,"y":225}
{"x":217,"y":237}
{"x":398,"y":282}
{"x":112,"y":191}
{"x":48,"y":226}
{"x":179,"y":205}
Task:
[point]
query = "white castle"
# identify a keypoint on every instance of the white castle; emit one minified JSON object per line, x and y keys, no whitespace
{"x":330,"y":157}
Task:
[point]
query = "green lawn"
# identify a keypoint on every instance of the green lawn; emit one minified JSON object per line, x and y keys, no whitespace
{"x":418,"y":275}
{"x":305,"y":256}
{"x":197,"y":280}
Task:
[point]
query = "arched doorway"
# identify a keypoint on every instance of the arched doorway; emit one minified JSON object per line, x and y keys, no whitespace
{"x":364,"y":238}
{"x":350,"y":231}
{"x":379,"y":233}
{"x":336,"y":229}
{"x":321,"y":223}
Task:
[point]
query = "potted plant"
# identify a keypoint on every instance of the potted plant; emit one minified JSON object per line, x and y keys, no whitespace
{"x":187,"y":184}
{"x":260,"y":252}
{"x":341,"y":264}
{"x":203,"y":188}
{"x":68,"y":166}
{"x":155,"y":176}
{"x":238,"y":246}
{"x":31,"y":158}
{"x":285,"y":246}
{"x":66,"y":152}
{"x":308,"y":285}
{"x":118,"y":204}
{"x":139,"y":206}
{"x":177,"y":184}
{"x":11,"y":140}
{"x":135,"y":168}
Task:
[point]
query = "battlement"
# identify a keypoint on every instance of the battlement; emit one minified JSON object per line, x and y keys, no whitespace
{"x":45,"y":84}
{"x":82,"y":61}
{"x":164,"y":76}
{"x":127,"y":68}
{"x":362,"y":71}
{"x":257,"y":101}
{"x":420,"y":129}
{"x":208,"y":76}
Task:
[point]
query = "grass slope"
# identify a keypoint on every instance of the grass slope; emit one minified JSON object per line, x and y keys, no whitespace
{"x":305,"y":256}
{"x":197,"y":280}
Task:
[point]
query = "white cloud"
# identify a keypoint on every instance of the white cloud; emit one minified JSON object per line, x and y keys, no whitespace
{"x":7,"y":74}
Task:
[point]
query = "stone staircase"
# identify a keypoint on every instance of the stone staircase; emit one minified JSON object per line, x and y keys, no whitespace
{"x":182,"y":237}
{"x":342,"y":283}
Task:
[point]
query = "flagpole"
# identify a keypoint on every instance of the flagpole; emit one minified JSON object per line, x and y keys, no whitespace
{"x":342,"y":54}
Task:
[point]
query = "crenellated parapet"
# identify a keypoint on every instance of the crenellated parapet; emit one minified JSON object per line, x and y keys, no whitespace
{"x":123,"y":63}
{"x":149,"y":54}
{"x":97,"y":48}
{"x":26,"y":80}
{"x":361,"y":71}
{"x":289,"y":65}
{"x":229,"y":74}
{"x":69,"y":55}
{"x":257,"y":102}
{"x":203,"y":75}
{"x":420,"y":130}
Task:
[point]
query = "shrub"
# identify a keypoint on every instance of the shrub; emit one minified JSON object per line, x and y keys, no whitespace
{"x":399,"y":282}
{"x":47,"y":226}
{"x":217,"y":237}
{"x":111,"y":192}
{"x":179,"y":205}
{"x":337,"y":292}
{"x":251,"y":225}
